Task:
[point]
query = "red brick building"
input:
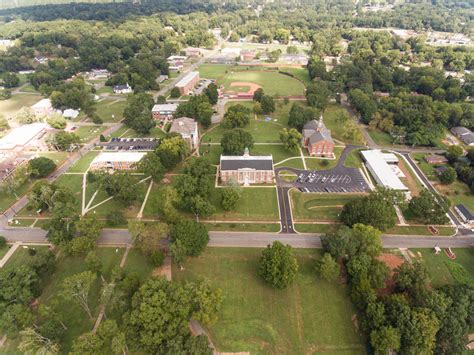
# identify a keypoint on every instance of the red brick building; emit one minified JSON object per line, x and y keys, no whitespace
{"x":317,"y":139}
{"x":187,"y":84}
{"x":246,"y":169}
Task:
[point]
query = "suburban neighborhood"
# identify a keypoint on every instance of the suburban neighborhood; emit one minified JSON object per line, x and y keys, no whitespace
{"x":205,"y":178}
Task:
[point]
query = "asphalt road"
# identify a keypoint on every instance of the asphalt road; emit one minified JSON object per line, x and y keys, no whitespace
{"x":286,"y":218}
{"x":121,"y":237}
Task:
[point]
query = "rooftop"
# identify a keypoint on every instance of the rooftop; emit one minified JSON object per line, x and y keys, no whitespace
{"x":183,"y":125}
{"x":106,"y":157}
{"x":465,"y":211}
{"x":256,"y":162}
{"x":43,"y":103}
{"x":316,"y":131}
{"x":20,"y":136}
{"x":378,"y":165}
{"x":187,"y":79}
{"x":164,"y":107}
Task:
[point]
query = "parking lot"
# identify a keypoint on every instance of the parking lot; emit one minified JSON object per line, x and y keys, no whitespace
{"x":348,"y":181}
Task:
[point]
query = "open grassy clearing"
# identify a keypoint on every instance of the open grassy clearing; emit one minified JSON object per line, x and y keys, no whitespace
{"x":77,"y":320}
{"x":262,"y":131}
{"x":458,"y":192}
{"x":300,"y":73}
{"x":138,"y":264}
{"x":9,"y":108}
{"x":295,"y":162}
{"x":353,"y":160}
{"x":83,"y":163}
{"x":380,"y":138}
{"x":310,"y":314}
{"x":443,"y":270}
{"x":244,"y":227}
{"x":318,"y":207}
{"x":57,"y":157}
{"x":316,"y":228}
{"x":87,"y":133}
{"x":20,"y":257}
{"x":108,"y":108}
{"x":4,"y":250}
{"x":330,"y":116}
{"x":214,"y":71}
{"x":427,"y":169}
{"x":255,"y":204}
{"x":272,"y":82}
{"x":155,"y":132}
{"x":419,"y":230}
{"x":6,"y":200}
{"x":29,"y":88}
{"x":314,"y":163}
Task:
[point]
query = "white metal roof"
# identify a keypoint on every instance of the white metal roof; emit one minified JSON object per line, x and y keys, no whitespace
{"x":164,"y":107}
{"x":20,"y":136}
{"x":190,"y":76}
{"x":377,"y":164}
{"x":43,"y":103}
{"x":132,"y":157}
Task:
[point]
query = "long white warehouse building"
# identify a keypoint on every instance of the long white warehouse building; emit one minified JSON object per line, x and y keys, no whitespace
{"x":384,"y":174}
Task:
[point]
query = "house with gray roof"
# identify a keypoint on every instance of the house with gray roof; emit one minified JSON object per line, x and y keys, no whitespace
{"x":317,"y":139}
{"x":246,"y":169}
{"x":464,"y":134}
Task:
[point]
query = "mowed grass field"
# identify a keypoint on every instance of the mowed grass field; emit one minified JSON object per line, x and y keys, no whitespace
{"x":110,"y":111}
{"x":310,"y":316}
{"x":272,"y":82}
{"x":255,"y":204}
{"x":443,"y":270}
{"x":9,"y":108}
{"x":318,"y":207}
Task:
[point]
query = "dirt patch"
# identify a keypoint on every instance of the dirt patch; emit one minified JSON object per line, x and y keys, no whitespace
{"x":252,"y":87}
{"x":392,"y":261}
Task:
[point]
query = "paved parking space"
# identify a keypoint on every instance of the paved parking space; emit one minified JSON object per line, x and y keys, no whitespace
{"x":339,"y":180}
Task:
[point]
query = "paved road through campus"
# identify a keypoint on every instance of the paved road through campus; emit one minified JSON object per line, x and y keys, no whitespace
{"x":121,"y":237}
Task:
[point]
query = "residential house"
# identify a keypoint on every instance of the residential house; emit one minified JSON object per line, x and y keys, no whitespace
{"x":464,"y":134}
{"x":317,"y":139}
{"x":123,"y":89}
{"x":436,"y":159}
{"x":246,"y":169}
{"x":192,"y":52}
{"x":188,"y":129}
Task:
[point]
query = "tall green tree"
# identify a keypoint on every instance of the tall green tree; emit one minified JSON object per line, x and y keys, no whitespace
{"x":278,"y":266}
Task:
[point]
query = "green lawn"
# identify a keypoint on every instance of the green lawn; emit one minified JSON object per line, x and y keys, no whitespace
{"x":314,"y":163}
{"x":214,"y":71}
{"x":9,"y":108}
{"x":380,"y":138}
{"x":262,"y":131}
{"x":458,"y":192}
{"x":244,"y":227}
{"x":353,"y":160}
{"x":300,"y":73}
{"x":318,"y":207}
{"x":310,"y":316}
{"x":76,"y":319}
{"x":3,"y":251}
{"x":256,"y":203}
{"x":28,"y":88}
{"x":57,"y":157}
{"x":6,"y":200}
{"x":106,"y":108}
{"x":428,"y":169}
{"x":295,"y":162}
{"x":87,"y":133}
{"x":83,"y":163}
{"x":444,"y":271}
{"x":138,"y":264}
{"x":316,"y":228}
{"x":331,"y":115}
{"x":419,"y":230}
{"x":272,"y":82}
{"x":20,"y":257}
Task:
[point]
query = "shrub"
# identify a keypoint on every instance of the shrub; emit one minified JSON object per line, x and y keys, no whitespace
{"x":278,"y":266}
{"x":3,"y":242}
{"x":157,"y":258}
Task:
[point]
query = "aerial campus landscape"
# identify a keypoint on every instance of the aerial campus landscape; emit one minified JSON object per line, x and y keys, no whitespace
{"x":251,"y":177}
